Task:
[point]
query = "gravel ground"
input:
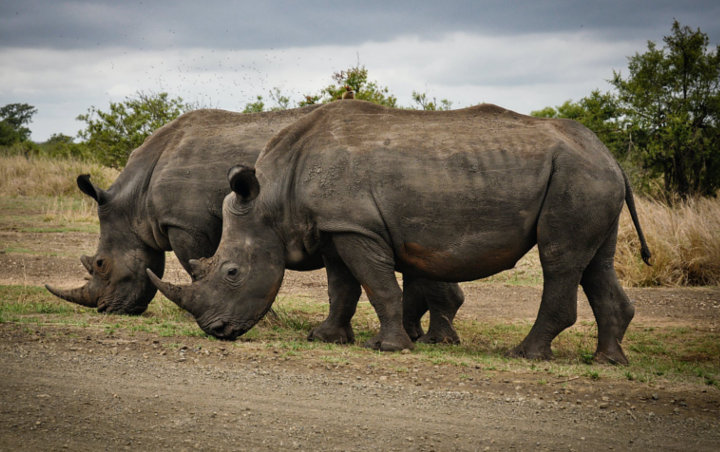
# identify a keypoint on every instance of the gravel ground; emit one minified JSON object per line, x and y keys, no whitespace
{"x":67,"y":387}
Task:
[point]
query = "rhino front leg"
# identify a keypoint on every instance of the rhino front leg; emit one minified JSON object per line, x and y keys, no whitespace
{"x":372,"y":264}
{"x":189,"y":245}
{"x":344,"y":292}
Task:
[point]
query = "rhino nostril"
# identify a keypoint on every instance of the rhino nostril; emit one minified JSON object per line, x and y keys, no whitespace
{"x":217,"y":329}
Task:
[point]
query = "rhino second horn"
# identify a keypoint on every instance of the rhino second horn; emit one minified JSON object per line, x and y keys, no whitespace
{"x":78,"y":295}
{"x":171,"y":291}
{"x":87,"y":263}
{"x":195,"y":267}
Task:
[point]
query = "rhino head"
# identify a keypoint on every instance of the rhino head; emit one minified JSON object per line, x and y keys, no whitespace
{"x":232,"y":290}
{"x":117,"y":282}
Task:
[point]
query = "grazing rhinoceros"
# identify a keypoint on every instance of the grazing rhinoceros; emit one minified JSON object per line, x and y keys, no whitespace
{"x":452,"y":196}
{"x":169,"y":197}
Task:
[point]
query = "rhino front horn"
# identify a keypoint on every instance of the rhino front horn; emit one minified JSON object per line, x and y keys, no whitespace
{"x":171,"y":291}
{"x":79,"y":295}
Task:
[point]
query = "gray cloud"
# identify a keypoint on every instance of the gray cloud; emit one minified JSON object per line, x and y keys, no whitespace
{"x":64,"y":56}
{"x":270,"y":24}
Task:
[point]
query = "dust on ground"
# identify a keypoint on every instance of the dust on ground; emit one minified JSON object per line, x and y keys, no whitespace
{"x":67,"y":387}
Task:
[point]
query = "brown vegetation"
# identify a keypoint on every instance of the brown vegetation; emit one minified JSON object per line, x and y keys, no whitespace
{"x":42,"y":176}
{"x":684,"y":239}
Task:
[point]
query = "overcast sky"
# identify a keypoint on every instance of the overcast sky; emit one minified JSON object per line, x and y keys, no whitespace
{"x":65,"y":56}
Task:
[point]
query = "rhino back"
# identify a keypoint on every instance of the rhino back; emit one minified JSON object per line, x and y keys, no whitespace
{"x":420,"y":181}
{"x":177,"y":178}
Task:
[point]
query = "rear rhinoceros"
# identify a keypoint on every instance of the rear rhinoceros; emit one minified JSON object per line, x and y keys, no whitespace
{"x":452,"y":196}
{"x":169,"y":197}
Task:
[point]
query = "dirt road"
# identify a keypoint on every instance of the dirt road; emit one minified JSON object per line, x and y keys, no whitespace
{"x":84,"y":388}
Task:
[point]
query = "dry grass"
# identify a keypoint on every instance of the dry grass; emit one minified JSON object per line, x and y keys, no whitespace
{"x":684,"y":240}
{"x":62,"y":209}
{"x":40,"y":176}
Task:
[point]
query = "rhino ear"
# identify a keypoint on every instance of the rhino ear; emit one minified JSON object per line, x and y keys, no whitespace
{"x":87,"y":187}
{"x":244,"y":183}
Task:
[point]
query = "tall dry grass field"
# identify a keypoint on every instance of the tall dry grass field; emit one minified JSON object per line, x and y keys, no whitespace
{"x":684,"y":240}
{"x":41,"y":176}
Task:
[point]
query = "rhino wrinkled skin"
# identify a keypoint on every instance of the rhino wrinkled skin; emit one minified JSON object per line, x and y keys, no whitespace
{"x":452,"y":196}
{"x":169,"y":198}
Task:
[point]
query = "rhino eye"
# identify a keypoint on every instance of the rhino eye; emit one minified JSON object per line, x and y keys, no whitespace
{"x":232,"y":273}
{"x":99,"y":263}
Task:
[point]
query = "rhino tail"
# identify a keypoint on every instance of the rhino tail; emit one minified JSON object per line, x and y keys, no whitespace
{"x":630,"y":201}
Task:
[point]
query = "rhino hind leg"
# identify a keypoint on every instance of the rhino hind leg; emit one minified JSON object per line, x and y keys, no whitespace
{"x":344,"y":292}
{"x":573,"y":225}
{"x":612,"y":308}
{"x":442,"y":299}
{"x":558,"y":311}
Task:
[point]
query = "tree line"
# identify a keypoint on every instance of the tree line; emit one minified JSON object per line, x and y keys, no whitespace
{"x":661,"y":120}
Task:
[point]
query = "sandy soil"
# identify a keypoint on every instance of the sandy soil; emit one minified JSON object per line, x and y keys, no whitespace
{"x":82,"y":388}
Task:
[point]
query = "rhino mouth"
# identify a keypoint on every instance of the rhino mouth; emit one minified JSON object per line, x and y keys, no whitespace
{"x":227,"y":331}
{"x":119,"y":305}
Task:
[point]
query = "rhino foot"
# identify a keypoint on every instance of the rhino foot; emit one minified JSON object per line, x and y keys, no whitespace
{"x":390,"y":343}
{"x":529,"y":352}
{"x":440,"y":337}
{"x":332,"y":334}
{"x":611,"y":355}
{"x":414,"y":330}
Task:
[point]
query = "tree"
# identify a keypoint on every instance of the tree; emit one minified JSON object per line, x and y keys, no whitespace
{"x":255,"y":107}
{"x":356,"y":78}
{"x":13,"y":119}
{"x":113,"y":135}
{"x":282,"y":102}
{"x":63,"y":146}
{"x":671,"y":99}
{"x":599,"y":112}
{"x":425,"y":104}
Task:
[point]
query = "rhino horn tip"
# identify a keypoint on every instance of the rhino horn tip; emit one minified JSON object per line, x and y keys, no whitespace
{"x":171,"y":291}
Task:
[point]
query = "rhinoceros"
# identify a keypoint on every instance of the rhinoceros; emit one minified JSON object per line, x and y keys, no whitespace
{"x":452,"y":196}
{"x":169,"y":197}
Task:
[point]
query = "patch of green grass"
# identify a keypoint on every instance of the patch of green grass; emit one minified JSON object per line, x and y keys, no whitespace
{"x":17,"y":250}
{"x":21,"y":300}
{"x":332,"y":359}
{"x":655,"y":353}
